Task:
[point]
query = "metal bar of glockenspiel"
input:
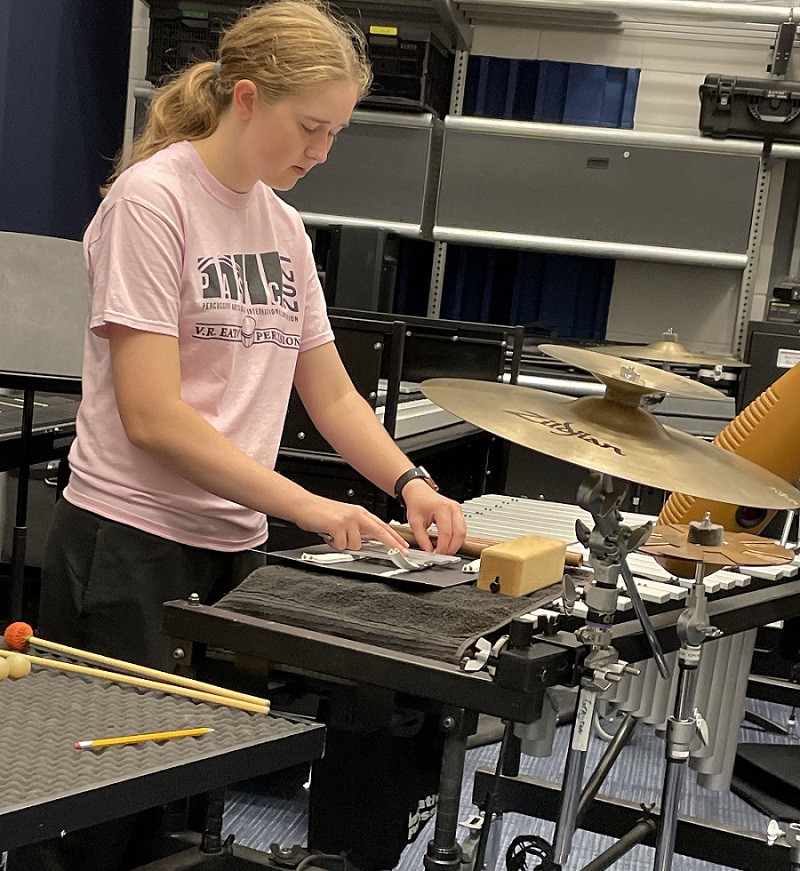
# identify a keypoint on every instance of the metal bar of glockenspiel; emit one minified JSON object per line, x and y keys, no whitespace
{"x":512,"y":528}
{"x":528,"y":519}
{"x":526,"y":510}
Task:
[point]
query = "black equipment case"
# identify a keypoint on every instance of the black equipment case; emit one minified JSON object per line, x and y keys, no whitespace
{"x":766,"y":109}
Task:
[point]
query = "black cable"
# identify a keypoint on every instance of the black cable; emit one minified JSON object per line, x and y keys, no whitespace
{"x":530,"y":845}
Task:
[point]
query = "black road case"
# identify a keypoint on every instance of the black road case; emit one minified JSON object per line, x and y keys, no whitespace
{"x":766,"y":109}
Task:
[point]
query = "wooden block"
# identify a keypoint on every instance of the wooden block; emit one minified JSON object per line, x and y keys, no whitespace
{"x":522,"y":565}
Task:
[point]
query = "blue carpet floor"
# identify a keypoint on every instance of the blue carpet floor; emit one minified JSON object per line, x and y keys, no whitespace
{"x":280,"y":816}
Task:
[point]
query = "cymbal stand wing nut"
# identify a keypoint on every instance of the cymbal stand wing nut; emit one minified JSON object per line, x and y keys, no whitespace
{"x":789,"y":836}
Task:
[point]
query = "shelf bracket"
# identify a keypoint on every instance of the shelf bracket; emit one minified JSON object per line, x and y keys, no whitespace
{"x":456,"y":24}
{"x":782,"y":48}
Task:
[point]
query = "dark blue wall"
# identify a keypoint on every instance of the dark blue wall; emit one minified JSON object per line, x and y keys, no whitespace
{"x":63,"y":88}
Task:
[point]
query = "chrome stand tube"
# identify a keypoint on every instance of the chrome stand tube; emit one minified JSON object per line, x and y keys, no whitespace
{"x":605,"y":764}
{"x":686,"y":723}
{"x":573,"y":779}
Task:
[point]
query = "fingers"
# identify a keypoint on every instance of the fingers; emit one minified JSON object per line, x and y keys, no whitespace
{"x":386,"y":535}
{"x":451,"y":529}
{"x":349,"y":526}
{"x":420,"y":529}
{"x":444,"y":533}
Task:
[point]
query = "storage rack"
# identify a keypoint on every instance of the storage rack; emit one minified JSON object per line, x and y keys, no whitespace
{"x":430,"y":166}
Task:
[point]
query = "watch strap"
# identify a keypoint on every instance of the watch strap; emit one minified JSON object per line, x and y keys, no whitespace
{"x":410,"y":475}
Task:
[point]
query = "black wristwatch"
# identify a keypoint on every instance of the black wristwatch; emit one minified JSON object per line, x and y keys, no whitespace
{"x":416,"y":472}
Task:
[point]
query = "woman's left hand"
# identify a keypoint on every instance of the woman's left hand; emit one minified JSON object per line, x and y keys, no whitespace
{"x":425,"y":506}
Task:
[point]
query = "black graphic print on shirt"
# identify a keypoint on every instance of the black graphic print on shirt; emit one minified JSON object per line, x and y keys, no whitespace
{"x":253,"y":298}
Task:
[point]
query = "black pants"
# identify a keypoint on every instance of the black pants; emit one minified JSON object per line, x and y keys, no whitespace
{"x":103,"y":589}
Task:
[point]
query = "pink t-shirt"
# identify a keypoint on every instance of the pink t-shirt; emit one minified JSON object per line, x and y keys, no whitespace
{"x":232,"y":276}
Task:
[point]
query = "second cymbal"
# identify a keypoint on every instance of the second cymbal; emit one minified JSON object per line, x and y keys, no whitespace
{"x":670,"y":544}
{"x":669,"y":350}
{"x":628,"y":375}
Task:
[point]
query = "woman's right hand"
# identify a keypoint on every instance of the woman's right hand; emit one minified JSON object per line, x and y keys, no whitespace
{"x":346,"y":525}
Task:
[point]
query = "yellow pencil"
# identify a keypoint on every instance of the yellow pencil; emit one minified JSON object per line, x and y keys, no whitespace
{"x":135,"y":739}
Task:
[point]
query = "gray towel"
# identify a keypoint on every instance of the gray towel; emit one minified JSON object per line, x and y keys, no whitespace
{"x":438,"y":624}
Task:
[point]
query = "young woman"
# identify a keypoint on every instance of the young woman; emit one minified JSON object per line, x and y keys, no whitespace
{"x":205,"y":309}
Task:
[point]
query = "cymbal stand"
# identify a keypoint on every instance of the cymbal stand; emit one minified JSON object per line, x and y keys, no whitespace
{"x":791,"y":517}
{"x":608,"y":544}
{"x":686,"y":724}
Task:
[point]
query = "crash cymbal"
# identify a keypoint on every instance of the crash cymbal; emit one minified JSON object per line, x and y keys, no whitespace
{"x":629,"y":376}
{"x":669,"y":350}
{"x":612,"y":437}
{"x":670,"y":544}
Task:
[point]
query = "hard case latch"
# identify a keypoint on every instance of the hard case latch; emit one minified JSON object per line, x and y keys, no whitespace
{"x":724,"y":95}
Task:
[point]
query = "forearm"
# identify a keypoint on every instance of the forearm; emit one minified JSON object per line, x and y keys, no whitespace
{"x":183,"y":441}
{"x":352,"y":428}
{"x":147,"y":387}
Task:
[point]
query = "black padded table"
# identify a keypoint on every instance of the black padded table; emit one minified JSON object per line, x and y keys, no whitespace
{"x":47,"y":786}
{"x":393,"y":649}
{"x":309,"y":640}
{"x":32,"y":432}
{"x":391,"y":635}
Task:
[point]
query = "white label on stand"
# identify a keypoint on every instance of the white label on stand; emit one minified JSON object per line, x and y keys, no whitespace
{"x":787,"y":357}
{"x":583,"y":720}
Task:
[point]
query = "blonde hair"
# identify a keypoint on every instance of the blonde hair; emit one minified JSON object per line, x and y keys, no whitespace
{"x":283,"y":47}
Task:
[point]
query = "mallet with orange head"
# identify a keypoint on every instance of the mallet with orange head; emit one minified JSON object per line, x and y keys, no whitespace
{"x":19,"y":636}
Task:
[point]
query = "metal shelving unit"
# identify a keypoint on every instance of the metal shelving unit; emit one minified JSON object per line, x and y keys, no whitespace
{"x":735,"y":247}
{"x":422,"y":178}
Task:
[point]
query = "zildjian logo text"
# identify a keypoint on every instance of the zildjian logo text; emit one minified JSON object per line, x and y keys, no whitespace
{"x":565,"y":428}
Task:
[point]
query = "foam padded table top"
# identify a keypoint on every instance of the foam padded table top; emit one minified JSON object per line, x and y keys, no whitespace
{"x":47,"y":786}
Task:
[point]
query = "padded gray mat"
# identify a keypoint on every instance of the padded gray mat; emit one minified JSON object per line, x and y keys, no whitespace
{"x":45,"y":713}
{"x":439,"y":624}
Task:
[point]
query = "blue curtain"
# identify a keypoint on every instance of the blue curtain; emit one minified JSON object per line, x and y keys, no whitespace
{"x":63,"y":90}
{"x":568,"y":294}
{"x":560,"y":293}
{"x":551,"y":91}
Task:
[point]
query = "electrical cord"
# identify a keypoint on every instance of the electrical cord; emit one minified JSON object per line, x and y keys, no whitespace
{"x":312,"y":859}
{"x":530,"y":845}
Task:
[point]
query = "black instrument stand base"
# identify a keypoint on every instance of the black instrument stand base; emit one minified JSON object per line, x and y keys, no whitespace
{"x":235,"y":857}
{"x":444,"y":851}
